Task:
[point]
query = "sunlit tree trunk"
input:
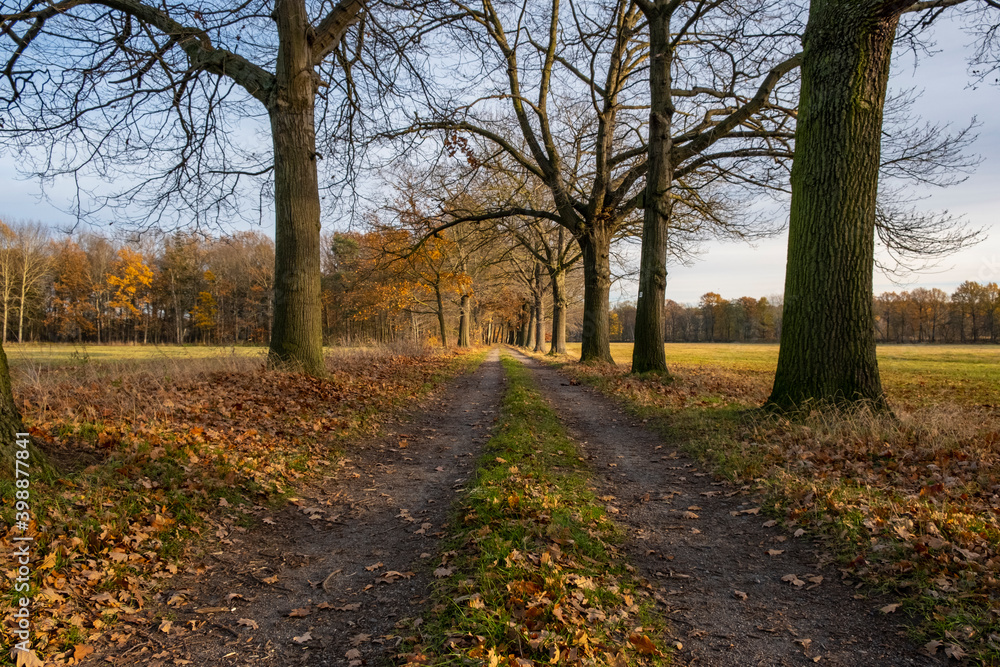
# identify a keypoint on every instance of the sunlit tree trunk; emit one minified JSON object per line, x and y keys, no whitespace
{"x":464,"y":324}
{"x":539,"y":311}
{"x":440,"y":314}
{"x":828,"y":335}
{"x":297,"y":328}
{"x":648,"y":353}
{"x":596,"y":343}
{"x":557,"y":281}
{"x":529,"y":331}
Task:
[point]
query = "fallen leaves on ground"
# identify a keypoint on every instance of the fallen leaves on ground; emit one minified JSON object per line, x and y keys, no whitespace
{"x":911,"y":500}
{"x":536,"y":576}
{"x":146,"y":462}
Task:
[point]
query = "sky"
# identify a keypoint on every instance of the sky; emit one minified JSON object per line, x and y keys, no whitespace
{"x":736,"y":269}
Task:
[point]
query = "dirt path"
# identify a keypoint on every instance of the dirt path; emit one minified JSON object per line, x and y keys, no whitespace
{"x":696,"y":539}
{"x":353,"y":554}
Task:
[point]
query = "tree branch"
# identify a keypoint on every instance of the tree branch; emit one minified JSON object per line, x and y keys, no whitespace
{"x":705,"y":139}
{"x":331,"y":29}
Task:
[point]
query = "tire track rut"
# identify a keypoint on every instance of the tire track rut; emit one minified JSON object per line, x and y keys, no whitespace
{"x":353,"y":552}
{"x":705,"y":547}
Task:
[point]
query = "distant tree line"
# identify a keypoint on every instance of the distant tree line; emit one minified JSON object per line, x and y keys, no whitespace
{"x":713,"y":320}
{"x":187,"y":288}
{"x":179,"y":288}
{"x":970,"y":314}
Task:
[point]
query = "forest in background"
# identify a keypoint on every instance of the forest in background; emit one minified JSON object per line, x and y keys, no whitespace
{"x":186,"y":288}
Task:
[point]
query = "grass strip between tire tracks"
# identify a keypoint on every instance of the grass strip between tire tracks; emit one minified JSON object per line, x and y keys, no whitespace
{"x":533,"y":573}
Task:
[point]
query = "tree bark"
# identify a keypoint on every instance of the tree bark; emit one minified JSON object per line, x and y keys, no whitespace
{"x":539,"y":311}
{"x":297,"y":329}
{"x":440,"y":315}
{"x":10,"y":426}
{"x":529,"y":330}
{"x":828,"y":337}
{"x":648,"y":353}
{"x":596,"y":247}
{"x":464,"y":325}
{"x":557,"y":280}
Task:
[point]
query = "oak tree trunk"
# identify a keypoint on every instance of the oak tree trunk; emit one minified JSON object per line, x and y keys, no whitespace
{"x":828,"y":333}
{"x":529,"y":335}
{"x":521,"y":334}
{"x":557,"y":281}
{"x":596,"y":247}
{"x":539,"y":311}
{"x":464,"y":325}
{"x":440,"y":315}
{"x":297,"y":331}
{"x":10,"y":425}
{"x":648,"y":353}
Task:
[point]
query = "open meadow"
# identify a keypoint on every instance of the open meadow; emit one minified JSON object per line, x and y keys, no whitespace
{"x":911,"y":374}
{"x":27,"y":355}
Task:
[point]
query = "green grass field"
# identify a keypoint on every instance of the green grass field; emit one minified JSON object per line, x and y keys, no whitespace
{"x":910,"y":373}
{"x":57,"y":354}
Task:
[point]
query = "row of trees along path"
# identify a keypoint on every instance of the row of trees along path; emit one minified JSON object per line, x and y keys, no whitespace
{"x":668,"y":108}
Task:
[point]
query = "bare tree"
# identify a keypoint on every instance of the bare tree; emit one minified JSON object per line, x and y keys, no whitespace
{"x":558,"y":93}
{"x":518,"y":62}
{"x":738,"y":118}
{"x":31,"y":239}
{"x":8,"y":273}
{"x":828,"y":333}
{"x":159,"y":96}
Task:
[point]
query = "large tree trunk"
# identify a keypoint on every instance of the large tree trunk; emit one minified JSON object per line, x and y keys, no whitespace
{"x":596,"y":247}
{"x":464,"y":324}
{"x":522,"y":324}
{"x":648,"y":353}
{"x":828,"y":335}
{"x":297,"y":329}
{"x":539,"y":311}
{"x":557,"y":280}
{"x":529,"y":330}
{"x":10,"y":427}
{"x":440,"y":315}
